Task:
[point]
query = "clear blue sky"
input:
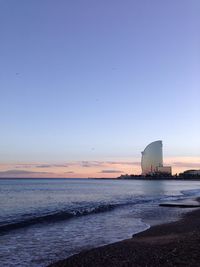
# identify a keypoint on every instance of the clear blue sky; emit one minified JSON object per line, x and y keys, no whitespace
{"x":84,"y":80}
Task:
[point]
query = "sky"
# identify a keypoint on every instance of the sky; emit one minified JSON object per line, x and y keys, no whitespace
{"x":86,"y":85}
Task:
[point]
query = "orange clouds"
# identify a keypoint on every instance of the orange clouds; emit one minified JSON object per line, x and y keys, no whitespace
{"x":84,"y":169}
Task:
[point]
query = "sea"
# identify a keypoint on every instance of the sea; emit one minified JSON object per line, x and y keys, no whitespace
{"x":46,"y":220}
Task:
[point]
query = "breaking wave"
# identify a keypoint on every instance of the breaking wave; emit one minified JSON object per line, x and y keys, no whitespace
{"x":53,"y":217}
{"x":64,"y":214}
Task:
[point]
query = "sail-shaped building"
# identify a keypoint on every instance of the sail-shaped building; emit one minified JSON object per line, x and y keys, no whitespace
{"x":152,"y":160}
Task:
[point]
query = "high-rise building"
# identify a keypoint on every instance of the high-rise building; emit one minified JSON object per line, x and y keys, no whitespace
{"x":152,"y":160}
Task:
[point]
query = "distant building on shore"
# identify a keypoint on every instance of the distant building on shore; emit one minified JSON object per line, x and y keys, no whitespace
{"x":191,"y":173}
{"x":152,"y":160}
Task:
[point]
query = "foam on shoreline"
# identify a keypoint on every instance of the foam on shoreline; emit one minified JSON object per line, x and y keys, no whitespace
{"x":163,"y":239}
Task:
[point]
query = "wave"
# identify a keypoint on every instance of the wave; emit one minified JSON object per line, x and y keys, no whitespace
{"x":65,"y":214}
{"x":191,"y":192}
{"x":53,"y":217}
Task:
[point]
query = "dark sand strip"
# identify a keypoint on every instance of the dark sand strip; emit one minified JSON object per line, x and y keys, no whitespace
{"x":172,"y":244}
{"x":180,"y":205}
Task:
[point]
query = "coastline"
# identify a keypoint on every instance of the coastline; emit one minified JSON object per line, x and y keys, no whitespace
{"x":171,"y":244}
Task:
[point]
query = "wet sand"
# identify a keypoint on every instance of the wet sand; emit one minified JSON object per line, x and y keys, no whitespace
{"x":171,"y":244}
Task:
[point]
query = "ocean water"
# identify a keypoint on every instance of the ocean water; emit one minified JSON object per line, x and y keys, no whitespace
{"x":45,"y":220}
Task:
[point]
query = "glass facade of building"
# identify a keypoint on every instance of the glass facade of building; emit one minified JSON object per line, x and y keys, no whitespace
{"x":152,"y":158}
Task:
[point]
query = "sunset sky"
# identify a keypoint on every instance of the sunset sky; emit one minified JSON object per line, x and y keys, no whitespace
{"x":86,"y":85}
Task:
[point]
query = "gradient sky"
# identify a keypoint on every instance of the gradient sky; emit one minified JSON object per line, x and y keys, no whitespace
{"x":94,"y":82}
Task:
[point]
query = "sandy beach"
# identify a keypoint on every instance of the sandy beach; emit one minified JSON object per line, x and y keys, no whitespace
{"x":172,"y":244}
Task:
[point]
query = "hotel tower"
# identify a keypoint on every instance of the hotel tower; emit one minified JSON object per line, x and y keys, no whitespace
{"x":152,"y":160}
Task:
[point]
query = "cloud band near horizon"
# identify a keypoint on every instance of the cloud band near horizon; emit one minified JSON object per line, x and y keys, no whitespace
{"x":84,"y":169}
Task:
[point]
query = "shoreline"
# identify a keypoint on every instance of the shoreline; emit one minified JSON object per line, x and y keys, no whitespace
{"x":168,"y":244}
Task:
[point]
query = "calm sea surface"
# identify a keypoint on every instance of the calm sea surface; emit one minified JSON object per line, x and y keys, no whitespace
{"x":44,"y":220}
